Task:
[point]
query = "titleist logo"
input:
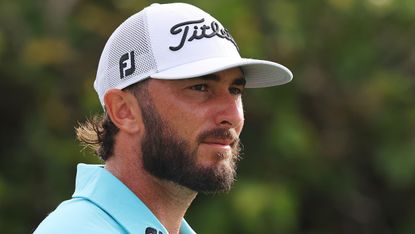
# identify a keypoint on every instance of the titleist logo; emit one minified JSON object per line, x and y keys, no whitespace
{"x":199,"y":32}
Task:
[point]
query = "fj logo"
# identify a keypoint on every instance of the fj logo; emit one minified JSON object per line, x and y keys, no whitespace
{"x":150,"y":230}
{"x":127,"y":64}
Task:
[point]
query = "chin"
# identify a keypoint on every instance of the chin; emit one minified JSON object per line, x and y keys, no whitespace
{"x":215,"y":154}
{"x":213,"y":175}
{"x":217,"y":161}
{"x":219,"y":165}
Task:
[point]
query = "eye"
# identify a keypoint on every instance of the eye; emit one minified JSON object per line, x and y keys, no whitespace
{"x":200,"y":87}
{"x":235,"y":90}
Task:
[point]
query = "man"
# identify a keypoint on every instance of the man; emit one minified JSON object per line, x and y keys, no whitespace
{"x":170,"y":79}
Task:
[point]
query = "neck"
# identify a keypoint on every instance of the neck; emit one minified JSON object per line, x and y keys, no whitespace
{"x":168,"y":201}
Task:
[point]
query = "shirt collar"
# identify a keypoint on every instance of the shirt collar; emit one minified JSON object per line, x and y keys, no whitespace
{"x":98,"y":185}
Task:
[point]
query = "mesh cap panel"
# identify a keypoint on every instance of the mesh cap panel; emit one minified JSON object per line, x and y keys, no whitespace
{"x":130,"y":39}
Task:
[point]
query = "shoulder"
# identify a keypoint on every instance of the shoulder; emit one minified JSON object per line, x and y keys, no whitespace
{"x":79,"y":216}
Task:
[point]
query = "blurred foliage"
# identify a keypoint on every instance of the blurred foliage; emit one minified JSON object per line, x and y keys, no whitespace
{"x":331,"y":152}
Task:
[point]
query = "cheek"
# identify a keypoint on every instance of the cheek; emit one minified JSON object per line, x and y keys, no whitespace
{"x":242,"y":117}
{"x":187,"y":120}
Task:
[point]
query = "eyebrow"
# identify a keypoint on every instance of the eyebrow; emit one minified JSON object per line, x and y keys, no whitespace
{"x":237,"y":81}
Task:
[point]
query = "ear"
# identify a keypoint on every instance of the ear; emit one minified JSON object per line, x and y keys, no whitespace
{"x":123,"y":109}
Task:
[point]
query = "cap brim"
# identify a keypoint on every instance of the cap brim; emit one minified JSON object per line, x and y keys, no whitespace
{"x":258,"y":73}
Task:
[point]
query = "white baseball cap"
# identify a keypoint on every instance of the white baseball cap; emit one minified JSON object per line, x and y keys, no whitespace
{"x":176,"y":41}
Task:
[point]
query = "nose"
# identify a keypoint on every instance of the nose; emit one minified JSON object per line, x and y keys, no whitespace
{"x":229,"y":112}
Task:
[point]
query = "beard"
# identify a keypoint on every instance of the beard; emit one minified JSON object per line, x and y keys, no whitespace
{"x":170,"y":157}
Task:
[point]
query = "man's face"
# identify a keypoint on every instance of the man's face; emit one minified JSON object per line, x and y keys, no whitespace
{"x":192,"y":129}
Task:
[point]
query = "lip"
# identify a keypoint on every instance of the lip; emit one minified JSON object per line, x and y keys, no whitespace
{"x":223,"y":142}
{"x":220,"y":143}
{"x":216,"y":145}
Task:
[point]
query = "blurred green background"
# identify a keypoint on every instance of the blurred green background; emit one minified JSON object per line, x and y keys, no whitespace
{"x":331,"y":152}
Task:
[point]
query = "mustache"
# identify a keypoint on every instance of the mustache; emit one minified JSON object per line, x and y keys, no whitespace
{"x":220,"y":134}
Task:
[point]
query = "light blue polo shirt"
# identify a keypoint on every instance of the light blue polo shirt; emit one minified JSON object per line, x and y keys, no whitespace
{"x":103,"y":204}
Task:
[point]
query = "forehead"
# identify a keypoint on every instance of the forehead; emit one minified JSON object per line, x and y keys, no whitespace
{"x":232,"y":76}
